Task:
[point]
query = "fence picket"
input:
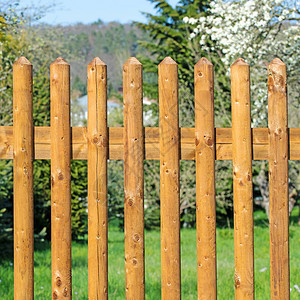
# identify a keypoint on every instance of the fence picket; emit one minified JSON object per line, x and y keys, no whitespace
{"x":278,"y":180}
{"x":205,"y":179}
{"x":242,"y":180}
{"x":134,"y":179}
{"x":23,"y":179}
{"x":169,"y":179}
{"x":97,"y":179}
{"x":60,"y":180}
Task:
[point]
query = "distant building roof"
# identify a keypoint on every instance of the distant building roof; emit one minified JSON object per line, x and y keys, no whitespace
{"x":82,"y":101}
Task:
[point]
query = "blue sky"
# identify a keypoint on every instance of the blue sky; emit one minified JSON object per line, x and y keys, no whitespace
{"x":88,"y":11}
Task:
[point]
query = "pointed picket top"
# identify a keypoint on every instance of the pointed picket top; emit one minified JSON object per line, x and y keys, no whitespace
{"x":277,"y":61}
{"x":240,"y":62}
{"x":59,"y":61}
{"x":277,"y":73}
{"x":277,"y":66}
{"x":97,"y":62}
{"x":168,"y":61}
{"x":22,"y":61}
{"x":203,"y":61}
{"x":132,"y":61}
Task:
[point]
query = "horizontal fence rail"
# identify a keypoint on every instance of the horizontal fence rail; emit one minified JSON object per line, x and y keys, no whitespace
{"x":79,"y":143}
{"x":134,"y":143}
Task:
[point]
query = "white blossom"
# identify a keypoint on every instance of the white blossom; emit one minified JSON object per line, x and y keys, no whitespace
{"x":251,"y":29}
{"x":285,"y":12}
{"x":186,"y":19}
{"x":192,"y":35}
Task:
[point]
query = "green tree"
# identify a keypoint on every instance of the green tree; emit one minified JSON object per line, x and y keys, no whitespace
{"x":169,"y":36}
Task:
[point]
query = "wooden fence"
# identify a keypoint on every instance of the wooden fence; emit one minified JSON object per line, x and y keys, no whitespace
{"x":133,"y":143}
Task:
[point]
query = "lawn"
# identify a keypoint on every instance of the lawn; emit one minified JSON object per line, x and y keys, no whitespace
{"x":225,"y":259}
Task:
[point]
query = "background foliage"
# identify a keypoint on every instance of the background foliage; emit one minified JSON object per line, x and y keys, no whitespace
{"x":165,"y":33}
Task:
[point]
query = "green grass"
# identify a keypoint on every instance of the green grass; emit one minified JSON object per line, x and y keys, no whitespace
{"x":225,"y":259}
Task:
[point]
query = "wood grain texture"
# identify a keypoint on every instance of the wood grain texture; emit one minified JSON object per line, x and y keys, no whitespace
{"x":205,"y":180}
{"x":242,"y":180}
{"x":169,"y":179}
{"x":42,"y":144}
{"x":23,"y":180}
{"x":97,"y":134}
{"x":60,"y":180}
{"x":133,"y":180}
{"x":278,"y":181}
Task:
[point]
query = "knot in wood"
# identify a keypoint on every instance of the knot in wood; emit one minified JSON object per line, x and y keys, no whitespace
{"x":237,"y":281}
{"x":241,"y":183}
{"x":278,"y":131}
{"x":95,"y":140}
{"x":208,"y":141}
{"x":25,"y":171}
{"x":130,"y":202}
{"x":58,"y":281}
{"x":54,"y":80}
{"x":136,"y":237}
{"x":60,"y":176}
{"x":270,"y":87}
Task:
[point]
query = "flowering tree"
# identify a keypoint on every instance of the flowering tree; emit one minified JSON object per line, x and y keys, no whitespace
{"x":258,"y":31}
